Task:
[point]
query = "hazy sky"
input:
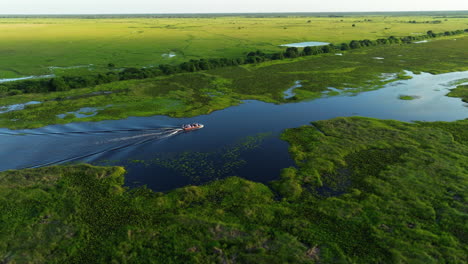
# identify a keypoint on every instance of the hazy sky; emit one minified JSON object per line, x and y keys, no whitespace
{"x":218,"y":6}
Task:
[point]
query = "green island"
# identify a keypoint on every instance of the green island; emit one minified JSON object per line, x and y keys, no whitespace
{"x":362,"y":190}
{"x":408,"y":97}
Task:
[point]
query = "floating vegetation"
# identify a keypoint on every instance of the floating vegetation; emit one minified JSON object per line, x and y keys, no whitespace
{"x":206,"y":166}
{"x":409,"y":97}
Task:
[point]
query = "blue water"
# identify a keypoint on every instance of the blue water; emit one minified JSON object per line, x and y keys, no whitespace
{"x":120,"y":142}
{"x":305,"y":44}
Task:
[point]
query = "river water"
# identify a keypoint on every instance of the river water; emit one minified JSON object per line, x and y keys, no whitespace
{"x":241,"y":140}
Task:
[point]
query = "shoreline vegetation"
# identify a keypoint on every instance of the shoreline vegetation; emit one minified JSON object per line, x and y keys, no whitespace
{"x":364,"y":191}
{"x":195,"y":93}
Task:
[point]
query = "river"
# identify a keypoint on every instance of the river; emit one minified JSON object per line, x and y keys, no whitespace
{"x":158,"y":155}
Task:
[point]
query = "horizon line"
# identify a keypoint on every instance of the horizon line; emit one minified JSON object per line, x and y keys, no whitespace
{"x":223,"y":13}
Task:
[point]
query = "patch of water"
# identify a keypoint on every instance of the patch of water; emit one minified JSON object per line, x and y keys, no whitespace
{"x":83,"y":112}
{"x":169,"y":55}
{"x":70,"y":67}
{"x":16,"y":107}
{"x":289,"y":93}
{"x":389,"y":76}
{"x":335,"y":90}
{"x":305,"y":44}
{"x":27,"y":78}
{"x":421,"y":41}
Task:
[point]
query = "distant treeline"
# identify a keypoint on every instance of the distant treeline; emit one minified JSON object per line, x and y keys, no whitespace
{"x":64,"y":83}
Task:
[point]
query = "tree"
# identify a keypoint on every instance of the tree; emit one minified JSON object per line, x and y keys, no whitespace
{"x":382,"y":41}
{"x":307,"y":51}
{"x":59,"y":84}
{"x":354,"y":44}
{"x":431,"y":34}
{"x":344,"y":46}
{"x":326,"y":49}
{"x":291,"y":52}
{"x":204,"y":65}
{"x":316,"y":50}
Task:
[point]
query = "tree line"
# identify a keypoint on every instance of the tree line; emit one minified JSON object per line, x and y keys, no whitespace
{"x":64,"y":83}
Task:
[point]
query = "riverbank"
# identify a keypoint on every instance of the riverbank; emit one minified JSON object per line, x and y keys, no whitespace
{"x":364,"y":190}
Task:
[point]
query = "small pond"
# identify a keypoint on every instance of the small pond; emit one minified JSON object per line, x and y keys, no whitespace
{"x":305,"y":44}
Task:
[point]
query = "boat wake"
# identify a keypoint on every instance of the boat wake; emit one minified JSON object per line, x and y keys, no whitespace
{"x":71,"y":146}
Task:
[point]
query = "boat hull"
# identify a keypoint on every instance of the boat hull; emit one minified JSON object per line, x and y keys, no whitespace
{"x":188,"y":129}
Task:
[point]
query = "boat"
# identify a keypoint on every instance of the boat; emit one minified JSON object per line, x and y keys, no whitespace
{"x":191,"y":127}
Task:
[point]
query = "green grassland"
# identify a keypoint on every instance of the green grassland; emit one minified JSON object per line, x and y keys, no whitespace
{"x":29,"y":46}
{"x":363,"y":191}
{"x":191,"y":94}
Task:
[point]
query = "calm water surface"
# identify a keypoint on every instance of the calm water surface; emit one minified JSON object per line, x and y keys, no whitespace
{"x":156,"y":154}
{"x":305,"y":44}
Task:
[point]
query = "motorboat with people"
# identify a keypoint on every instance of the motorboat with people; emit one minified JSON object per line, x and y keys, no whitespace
{"x":191,"y":127}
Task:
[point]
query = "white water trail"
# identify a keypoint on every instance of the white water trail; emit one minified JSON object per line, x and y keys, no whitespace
{"x":98,"y":146}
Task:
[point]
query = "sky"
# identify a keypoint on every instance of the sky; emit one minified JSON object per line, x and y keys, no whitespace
{"x":220,"y":6}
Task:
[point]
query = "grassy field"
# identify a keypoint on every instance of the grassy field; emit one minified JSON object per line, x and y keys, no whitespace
{"x":363,"y":191}
{"x":30,"y":46}
{"x":192,"y":94}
